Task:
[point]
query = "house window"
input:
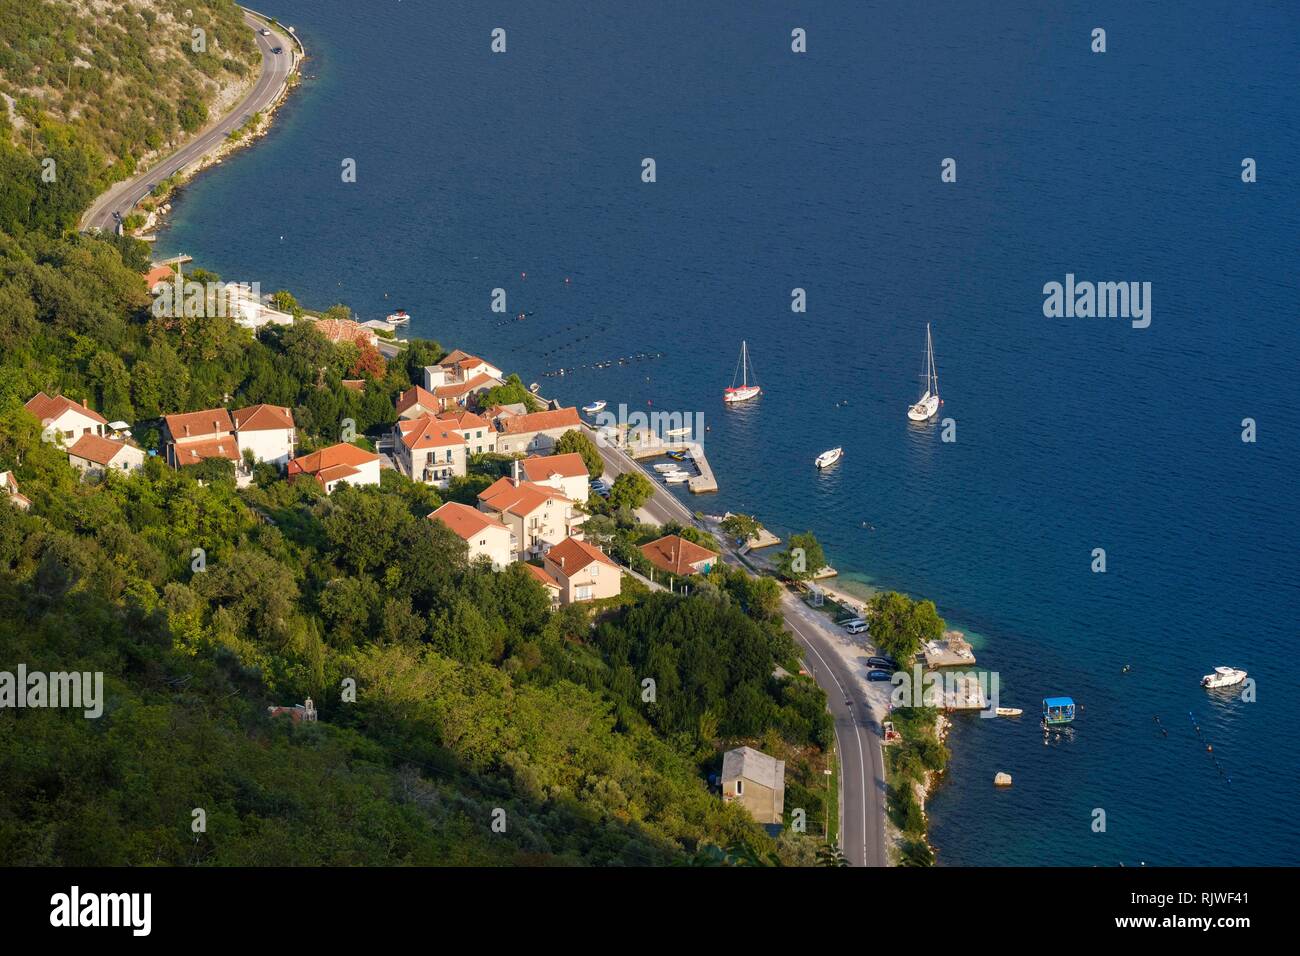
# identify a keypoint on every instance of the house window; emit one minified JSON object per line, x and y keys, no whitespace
{"x":584,"y":592}
{"x":740,"y":788}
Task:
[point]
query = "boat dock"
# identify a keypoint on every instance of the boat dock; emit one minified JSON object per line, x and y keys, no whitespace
{"x":647,"y":445}
{"x":951,"y":651}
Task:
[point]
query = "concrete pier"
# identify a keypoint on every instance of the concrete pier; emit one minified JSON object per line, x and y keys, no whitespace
{"x":648,"y":445}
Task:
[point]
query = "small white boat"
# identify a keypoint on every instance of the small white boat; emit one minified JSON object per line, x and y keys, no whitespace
{"x":677,"y":432}
{"x":533,"y":387}
{"x":744,"y":391}
{"x":676,"y":478}
{"x":668,"y":469}
{"x":928,"y":404}
{"x":1009,"y":711}
{"x":594,"y":407}
{"x":828,"y":458}
{"x":1223,"y":677}
{"x":400,"y":317}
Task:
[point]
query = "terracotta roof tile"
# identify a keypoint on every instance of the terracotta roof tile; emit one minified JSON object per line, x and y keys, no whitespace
{"x":46,"y":407}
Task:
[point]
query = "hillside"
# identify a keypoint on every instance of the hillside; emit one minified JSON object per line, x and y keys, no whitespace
{"x":102,"y":86}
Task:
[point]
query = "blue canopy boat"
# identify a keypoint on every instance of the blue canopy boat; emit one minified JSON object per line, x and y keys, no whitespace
{"x":1058,"y":710}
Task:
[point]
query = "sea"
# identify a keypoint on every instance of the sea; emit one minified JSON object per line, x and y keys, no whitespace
{"x":916,"y":164}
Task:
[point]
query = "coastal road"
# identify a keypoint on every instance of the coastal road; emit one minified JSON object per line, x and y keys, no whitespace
{"x":857,"y":735}
{"x":276,"y":67}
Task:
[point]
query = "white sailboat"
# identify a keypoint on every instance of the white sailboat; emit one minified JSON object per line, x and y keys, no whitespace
{"x":745,"y":391}
{"x":928,"y":404}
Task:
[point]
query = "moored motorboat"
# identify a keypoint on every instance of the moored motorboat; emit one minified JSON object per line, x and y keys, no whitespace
{"x":1008,"y":711}
{"x":400,"y":317}
{"x":677,"y":432}
{"x":676,"y":477}
{"x":827,"y":458}
{"x":1223,"y":677}
{"x":594,"y":407}
{"x":665,"y":469}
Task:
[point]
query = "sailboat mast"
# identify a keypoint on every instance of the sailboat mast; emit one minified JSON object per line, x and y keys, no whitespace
{"x":744,"y":364}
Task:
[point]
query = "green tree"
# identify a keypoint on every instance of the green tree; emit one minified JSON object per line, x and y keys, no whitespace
{"x":630,"y":490}
{"x":899,"y":625}
{"x":741,"y":527}
{"x":575,"y":440}
{"x":802,"y":558}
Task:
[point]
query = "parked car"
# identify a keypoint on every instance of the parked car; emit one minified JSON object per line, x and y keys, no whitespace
{"x":853,"y":622}
{"x":878,"y":675}
{"x":856,"y":627}
{"x":883,"y":662}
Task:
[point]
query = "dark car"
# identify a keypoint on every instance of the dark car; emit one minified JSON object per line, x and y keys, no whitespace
{"x":883,"y":662}
{"x":277,"y":49}
{"x":878,"y":675}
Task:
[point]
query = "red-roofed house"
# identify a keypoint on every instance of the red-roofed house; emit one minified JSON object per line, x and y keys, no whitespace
{"x":429,"y":450}
{"x":480,"y":437}
{"x":191,"y":437}
{"x":545,"y":580}
{"x":583,"y":571}
{"x":534,"y":432}
{"x":676,"y":555}
{"x":158,"y":274}
{"x":64,"y":418}
{"x":267,"y":431}
{"x":335,"y":464}
{"x":346,"y":330}
{"x":91,"y":454}
{"x":458,"y":366}
{"x":566,"y":472}
{"x":9,"y":489}
{"x":458,"y":393}
{"x":484,"y":535}
{"x":538,"y":515}
{"x":416,"y":402}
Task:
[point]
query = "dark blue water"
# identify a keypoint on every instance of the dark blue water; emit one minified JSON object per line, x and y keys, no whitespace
{"x":822,"y":171}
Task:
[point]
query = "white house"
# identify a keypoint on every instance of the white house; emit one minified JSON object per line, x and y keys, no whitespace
{"x":483,"y":534}
{"x":192,"y":437}
{"x":267,"y":431}
{"x":538,"y":515}
{"x":68,"y":420}
{"x":9,"y":490}
{"x":429,"y":450}
{"x":566,"y":472}
{"x":335,"y":464}
{"x":480,"y":437}
{"x":91,"y":454}
{"x":534,"y":432}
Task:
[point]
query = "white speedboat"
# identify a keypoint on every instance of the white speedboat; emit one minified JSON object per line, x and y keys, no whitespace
{"x":676,"y":477}
{"x":400,"y":317}
{"x":677,"y":432}
{"x":1223,"y":677}
{"x":1008,"y":711}
{"x":594,"y":407}
{"x":827,"y":458}
{"x":744,"y":391}
{"x":668,"y":469}
{"x":927,"y":406}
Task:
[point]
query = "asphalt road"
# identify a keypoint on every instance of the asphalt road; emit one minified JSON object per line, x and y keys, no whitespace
{"x":857,"y":734}
{"x":123,"y":196}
